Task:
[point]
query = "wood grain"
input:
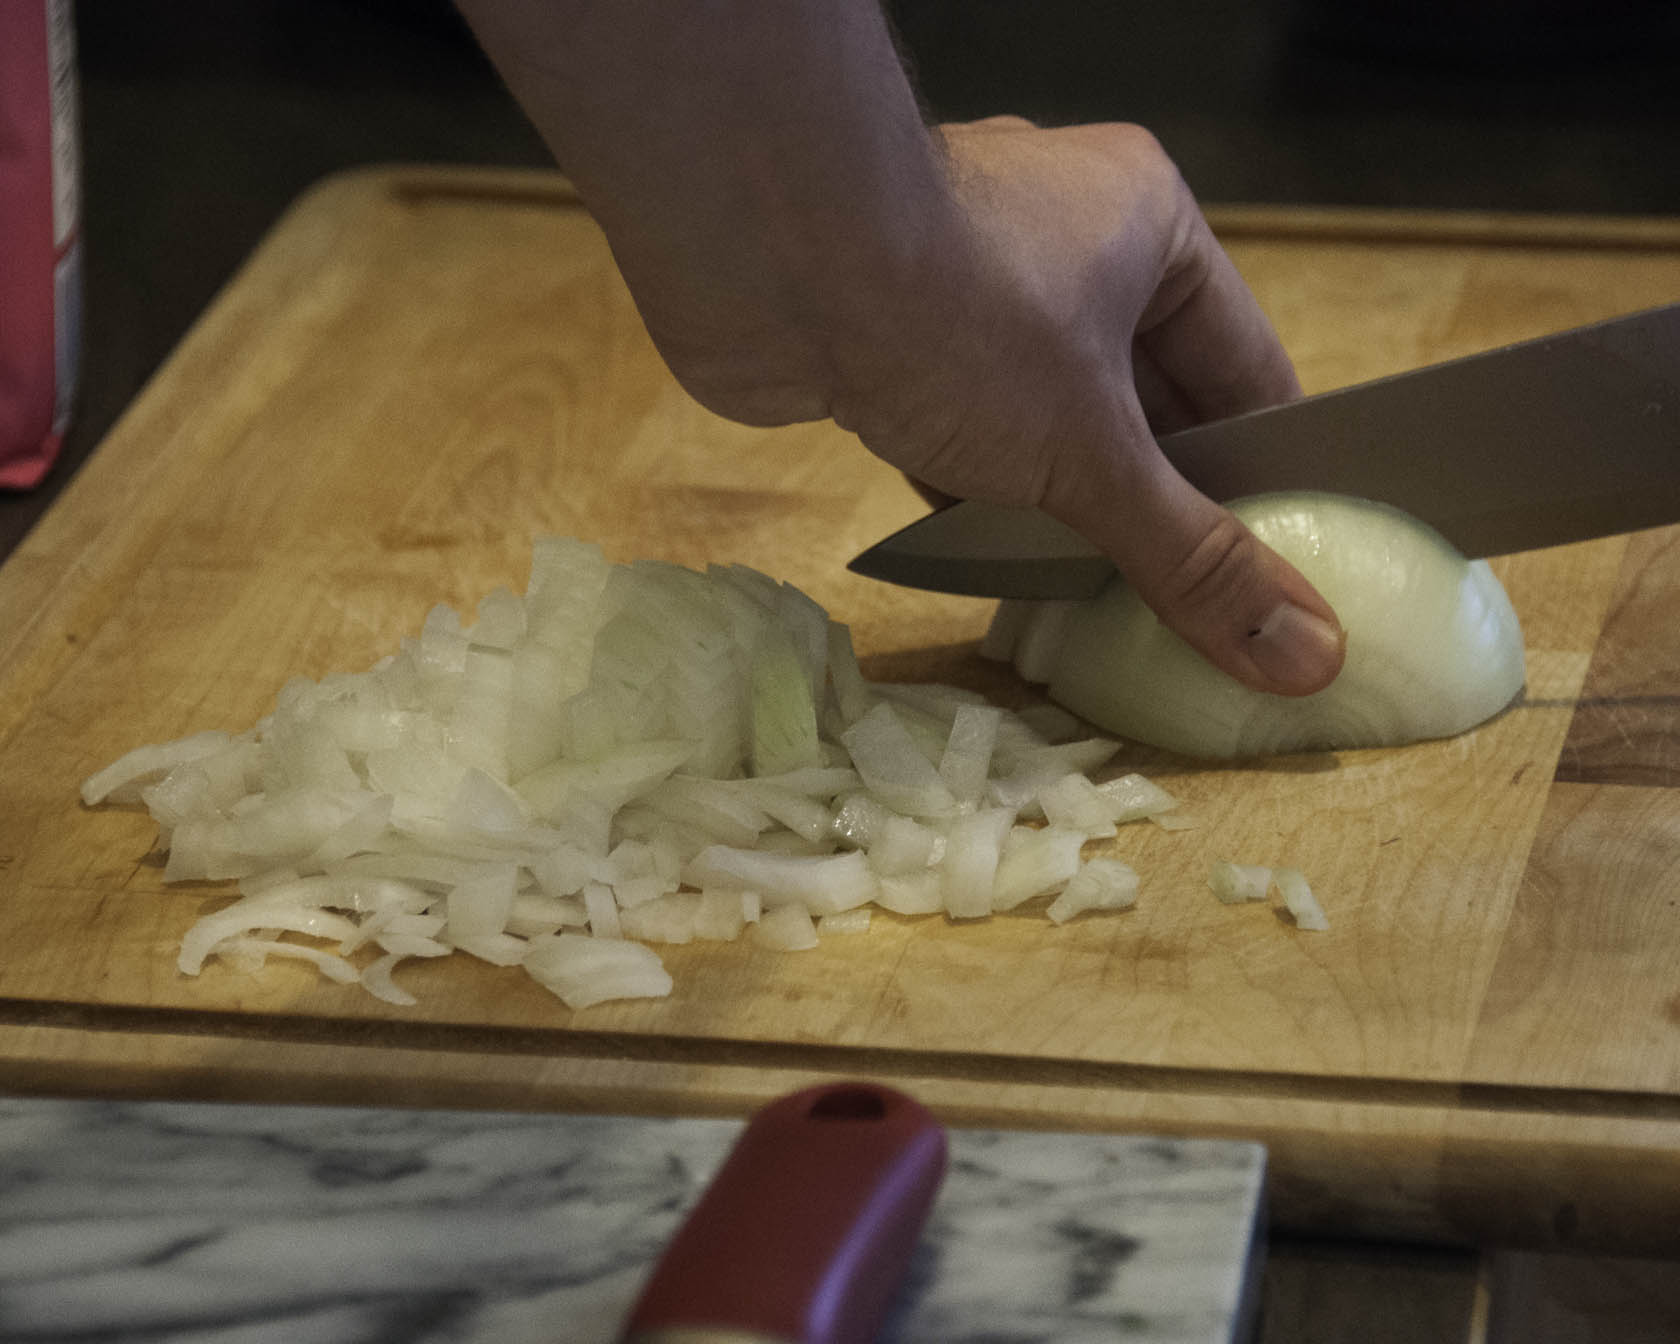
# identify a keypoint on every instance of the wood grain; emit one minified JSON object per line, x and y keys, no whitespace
{"x":420,"y":370}
{"x":1626,"y":728}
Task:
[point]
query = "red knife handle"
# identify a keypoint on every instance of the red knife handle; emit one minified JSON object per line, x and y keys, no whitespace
{"x":806,"y":1230}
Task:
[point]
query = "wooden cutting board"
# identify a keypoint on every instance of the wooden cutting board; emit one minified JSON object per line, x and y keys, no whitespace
{"x":420,"y":370}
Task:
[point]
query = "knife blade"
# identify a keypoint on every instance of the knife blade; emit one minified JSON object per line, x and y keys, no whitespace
{"x":1557,"y":439}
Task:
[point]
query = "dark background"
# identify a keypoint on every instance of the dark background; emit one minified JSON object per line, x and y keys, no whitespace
{"x":203,"y":119}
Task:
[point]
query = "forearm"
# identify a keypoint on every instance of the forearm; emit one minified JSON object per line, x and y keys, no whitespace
{"x":800,"y":247}
{"x":760,"y":169}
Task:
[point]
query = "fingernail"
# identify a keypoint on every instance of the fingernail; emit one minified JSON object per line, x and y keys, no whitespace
{"x":1296,"y":650}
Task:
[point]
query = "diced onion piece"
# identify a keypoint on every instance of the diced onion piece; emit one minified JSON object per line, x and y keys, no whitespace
{"x":473,"y":844}
{"x":1299,"y":899}
{"x":482,"y":803}
{"x":499,"y":949}
{"x":787,"y":928}
{"x":821,"y":885}
{"x":933,"y":698}
{"x":1026,"y":770}
{"x":929,"y":729}
{"x":584,"y":971}
{"x":562,"y":870}
{"x":480,"y":907}
{"x":400,"y":943}
{"x":710,"y":805}
{"x":366,"y":931}
{"x":532,"y":914}
{"x":602,"y":908}
{"x":969,"y":869}
{"x":269,"y":879}
{"x":784,"y":712}
{"x":359,"y":832}
{"x":1174,"y":821}
{"x":912,"y":893}
{"x":482,"y":714}
{"x":376,"y":979}
{"x":893,"y":766}
{"x":541,"y":676}
{"x":1102,"y":884}
{"x":361,"y":894}
{"x":434,"y":872}
{"x":847,"y":921}
{"x":859,"y":819}
{"x":1132,"y":798}
{"x":967,"y":759}
{"x":1044,"y":859}
{"x":416,"y":768}
{"x":720,"y":914}
{"x":903,"y":845}
{"x":632,"y":870}
{"x":501,"y":620}
{"x":798,"y":811}
{"x":1073,"y":803}
{"x":665,"y":919}
{"x":610,"y":781}
{"x":787,"y":842}
{"x":252,"y":952}
{"x":1234,"y":883}
{"x":855,"y":695}
{"x":563,"y":600}
{"x":424,"y":925}
{"x":822,"y":781}
{"x":271,"y":831}
{"x":181,"y":795}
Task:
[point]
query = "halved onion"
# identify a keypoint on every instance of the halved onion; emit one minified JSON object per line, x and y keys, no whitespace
{"x":1433,"y":644}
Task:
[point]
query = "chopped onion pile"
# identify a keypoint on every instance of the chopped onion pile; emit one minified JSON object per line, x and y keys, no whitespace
{"x":1433,"y":645}
{"x":627,"y":755}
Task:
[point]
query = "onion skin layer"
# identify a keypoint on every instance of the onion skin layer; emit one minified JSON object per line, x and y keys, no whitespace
{"x":1434,"y":646}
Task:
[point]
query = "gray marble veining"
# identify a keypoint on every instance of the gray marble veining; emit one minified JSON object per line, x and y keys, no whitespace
{"x":246,"y":1225}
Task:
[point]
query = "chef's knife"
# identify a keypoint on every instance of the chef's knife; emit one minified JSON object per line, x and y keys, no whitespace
{"x":1553,"y":440}
{"x":803,"y":1235}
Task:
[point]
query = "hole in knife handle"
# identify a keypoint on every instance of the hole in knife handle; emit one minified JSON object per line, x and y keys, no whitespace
{"x":849,"y":1103}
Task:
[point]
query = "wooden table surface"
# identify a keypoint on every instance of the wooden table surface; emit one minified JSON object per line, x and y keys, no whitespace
{"x":422,"y":369}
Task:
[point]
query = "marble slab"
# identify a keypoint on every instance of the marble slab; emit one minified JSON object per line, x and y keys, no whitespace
{"x":222,"y":1224}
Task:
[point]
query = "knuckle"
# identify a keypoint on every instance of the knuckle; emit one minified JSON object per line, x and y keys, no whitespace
{"x":1219,"y":575}
{"x":1002,"y":122}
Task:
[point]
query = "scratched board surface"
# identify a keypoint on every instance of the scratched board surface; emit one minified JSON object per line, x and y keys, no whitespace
{"x":420,"y":370}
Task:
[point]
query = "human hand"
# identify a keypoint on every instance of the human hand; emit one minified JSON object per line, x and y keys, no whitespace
{"x":1004,"y":312}
{"x":1081,"y":306}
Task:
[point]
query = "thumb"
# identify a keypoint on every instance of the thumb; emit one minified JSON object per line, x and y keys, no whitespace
{"x":1208,"y":578}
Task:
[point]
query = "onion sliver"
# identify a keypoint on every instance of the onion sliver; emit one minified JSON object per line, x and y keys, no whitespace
{"x":256,"y":912}
{"x":788,"y":928}
{"x":1102,"y":884}
{"x":586,"y":971}
{"x":1299,"y":899}
{"x":1433,"y":645}
{"x":821,"y":885}
{"x":121,"y":781}
{"x":1235,"y":883}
